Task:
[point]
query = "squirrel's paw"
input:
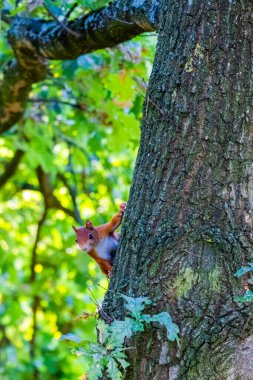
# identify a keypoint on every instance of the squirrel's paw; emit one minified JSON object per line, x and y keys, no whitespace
{"x":123,"y":207}
{"x":109,"y":274}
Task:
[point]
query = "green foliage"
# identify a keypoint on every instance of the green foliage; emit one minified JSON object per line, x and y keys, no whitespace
{"x":35,"y":8}
{"x":81,"y":128}
{"x":136,"y":305}
{"x":108,"y":354}
{"x":248,"y":295}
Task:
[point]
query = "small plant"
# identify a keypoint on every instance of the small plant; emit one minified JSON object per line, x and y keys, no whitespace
{"x":248,"y":295}
{"x":108,"y":355}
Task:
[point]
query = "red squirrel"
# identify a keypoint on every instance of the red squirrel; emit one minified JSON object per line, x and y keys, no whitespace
{"x":100,"y":242}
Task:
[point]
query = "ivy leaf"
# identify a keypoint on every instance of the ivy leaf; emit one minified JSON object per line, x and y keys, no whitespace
{"x":247,"y":297}
{"x":120,"y":330}
{"x":136,"y":305}
{"x":95,"y":372}
{"x":97,"y":348}
{"x":124,"y":364}
{"x":146,"y":318}
{"x":240,"y":272}
{"x":120,"y":356}
{"x":138,"y":326}
{"x":113,"y":371}
{"x":165,"y":319}
{"x":72,"y":337}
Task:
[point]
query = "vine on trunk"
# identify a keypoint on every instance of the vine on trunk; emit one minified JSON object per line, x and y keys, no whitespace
{"x":108,"y":354}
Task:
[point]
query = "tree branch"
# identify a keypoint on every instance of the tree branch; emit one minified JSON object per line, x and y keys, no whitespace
{"x":72,"y":193}
{"x":36,"y":299}
{"x":79,"y":106}
{"x":11,"y":167}
{"x":16,"y":85}
{"x":50,"y":199}
{"x":34,"y":41}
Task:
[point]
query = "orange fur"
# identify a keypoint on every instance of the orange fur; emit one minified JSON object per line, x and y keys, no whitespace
{"x":100,"y":242}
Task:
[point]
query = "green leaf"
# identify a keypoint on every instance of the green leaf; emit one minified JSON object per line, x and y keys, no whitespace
{"x":165,"y":319}
{"x":138,"y":326}
{"x":146,"y":318}
{"x":247,"y":297}
{"x":95,"y":372}
{"x":124,"y":364}
{"x":120,"y":330}
{"x":136,"y":305}
{"x":97,"y":348}
{"x":240,"y":272}
{"x":113,"y":371}
{"x":72,"y":337}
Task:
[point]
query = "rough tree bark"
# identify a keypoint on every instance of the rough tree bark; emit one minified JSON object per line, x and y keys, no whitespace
{"x":188,"y":226}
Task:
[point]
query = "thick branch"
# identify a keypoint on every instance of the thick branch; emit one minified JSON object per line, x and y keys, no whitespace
{"x":106,"y":27}
{"x":35,"y":40}
{"x":15,"y":87}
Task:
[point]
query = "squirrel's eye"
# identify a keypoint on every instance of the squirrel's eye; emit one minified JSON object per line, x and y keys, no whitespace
{"x":76,"y":241}
{"x":90,"y":236}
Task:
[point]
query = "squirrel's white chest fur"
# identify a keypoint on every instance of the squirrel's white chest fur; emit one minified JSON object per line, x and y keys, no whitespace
{"x":106,"y":246}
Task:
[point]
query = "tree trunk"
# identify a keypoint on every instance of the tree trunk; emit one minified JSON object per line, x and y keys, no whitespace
{"x":188,"y":226}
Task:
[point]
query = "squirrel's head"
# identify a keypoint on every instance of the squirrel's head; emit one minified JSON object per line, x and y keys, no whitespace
{"x":86,"y":237}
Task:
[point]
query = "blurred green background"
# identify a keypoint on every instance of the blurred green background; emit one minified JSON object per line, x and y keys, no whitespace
{"x":75,"y":150}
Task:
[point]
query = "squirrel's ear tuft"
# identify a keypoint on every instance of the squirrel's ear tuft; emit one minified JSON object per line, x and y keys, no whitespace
{"x":89,"y":225}
{"x":74,"y":228}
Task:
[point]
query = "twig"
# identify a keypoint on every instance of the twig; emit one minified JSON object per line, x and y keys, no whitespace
{"x":148,"y":35}
{"x":100,"y":310}
{"x":121,"y":21}
{"x":71,"y":10}
{"x":65,"y":27}
{"x":72,"y":193}
{"x":78,"y":106}
{"x":73,"y":143}
{"x":107,"y":290}
{"x":37,"y":238}
{"x":152,"y":102}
